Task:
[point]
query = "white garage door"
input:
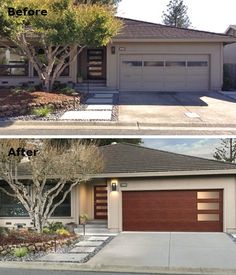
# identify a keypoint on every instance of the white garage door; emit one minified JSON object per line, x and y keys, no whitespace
{"x":164,"y":73}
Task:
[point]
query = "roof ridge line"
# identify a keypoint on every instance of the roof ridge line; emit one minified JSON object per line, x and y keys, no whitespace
{"x":172,"y":27}
{"x":178,"y":154}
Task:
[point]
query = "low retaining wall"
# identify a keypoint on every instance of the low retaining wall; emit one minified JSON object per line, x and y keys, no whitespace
{"x":23,"y":109}
{"x":40,"y":246}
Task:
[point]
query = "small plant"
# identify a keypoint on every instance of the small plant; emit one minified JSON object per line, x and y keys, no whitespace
{"x":42,"y":111}
{"x":83,"y":218}
{"x":17,"y":90}
{"x":67,"y":91}
{"x":20,"y":252}
{"x":63,"y":232}
{"x":4,"y":231}
{"x":57,"y":86}
{"x":46,"y":230}
{"x":54,"y":226}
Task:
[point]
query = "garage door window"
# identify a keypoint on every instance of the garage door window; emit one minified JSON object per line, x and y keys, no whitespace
{"x":133,"y":63}
{"x":153,"y":63}
{"x":208,"y":206}
{"x":208,"y":217}
{"x":208,"y":195}
{"x":197,"y":64}
{"x":175,"y":63}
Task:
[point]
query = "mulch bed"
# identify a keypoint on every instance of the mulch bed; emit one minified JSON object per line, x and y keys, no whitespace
{"x":15,"y":238}
{"x":38,"y":97}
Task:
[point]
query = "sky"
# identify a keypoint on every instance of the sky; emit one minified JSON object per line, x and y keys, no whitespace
{"x":190,"y":146}
{"x":207,"y":15}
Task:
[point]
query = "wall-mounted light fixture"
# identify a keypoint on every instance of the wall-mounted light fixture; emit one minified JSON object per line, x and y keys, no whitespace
{"x":113,"y":185}
{"x":113,"y":50}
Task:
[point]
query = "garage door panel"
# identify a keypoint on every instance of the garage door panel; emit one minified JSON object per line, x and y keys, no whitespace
{"x":164,"y":72}
{"x":172,"y":211}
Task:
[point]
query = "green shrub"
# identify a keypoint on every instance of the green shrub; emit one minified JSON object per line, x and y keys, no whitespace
{"x":63,"y":232}
{"x":46,"y":230}
{"x":4,"y":231}
{"x":20,"y":252}
{"x":57,"y":86}
{"x":54,"y":226}
{"x":30,"y":89}
{"x":18,"y":90}
{"x":67,"y":91}
{"x":42,"y":111}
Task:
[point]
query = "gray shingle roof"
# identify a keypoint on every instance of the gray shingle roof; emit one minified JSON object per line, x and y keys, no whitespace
{"x":134,"y":29}
{"x":128,"y":158}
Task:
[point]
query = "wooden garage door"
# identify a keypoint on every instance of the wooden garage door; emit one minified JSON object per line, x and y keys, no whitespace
{"x":164,"y":73}
{"x":193,"y":211}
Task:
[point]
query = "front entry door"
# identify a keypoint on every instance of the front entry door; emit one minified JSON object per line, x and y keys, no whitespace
{"x":100,"y":202}
{"x":96,"y":64}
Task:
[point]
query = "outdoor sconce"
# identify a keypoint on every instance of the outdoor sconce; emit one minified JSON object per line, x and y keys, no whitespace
{"x":113,"y":50}
{"x":113,"y":186}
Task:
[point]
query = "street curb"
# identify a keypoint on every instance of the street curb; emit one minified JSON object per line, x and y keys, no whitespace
{"x":108,"y":123}
{"x":100,"y":268}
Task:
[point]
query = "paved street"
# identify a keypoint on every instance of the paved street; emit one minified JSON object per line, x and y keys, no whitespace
{"x":45,"y":272}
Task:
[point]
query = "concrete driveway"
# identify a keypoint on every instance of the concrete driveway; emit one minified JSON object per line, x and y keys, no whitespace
{"x":169,"y":251}
{"x":186,"y":108}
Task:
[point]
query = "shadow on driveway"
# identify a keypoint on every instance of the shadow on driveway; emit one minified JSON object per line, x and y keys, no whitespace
{"x":172,"y":98}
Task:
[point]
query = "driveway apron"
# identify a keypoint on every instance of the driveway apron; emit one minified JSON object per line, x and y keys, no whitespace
{"x":168,"y":250}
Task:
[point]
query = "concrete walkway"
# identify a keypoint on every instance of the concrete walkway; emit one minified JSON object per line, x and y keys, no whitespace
{"x":82,"y":251}
{"x":168,"y":251}
{"x":98,"y":107}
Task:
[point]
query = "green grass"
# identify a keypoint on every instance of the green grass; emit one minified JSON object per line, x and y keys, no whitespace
{"x":42,"y":111}
{"x":20,"y":252}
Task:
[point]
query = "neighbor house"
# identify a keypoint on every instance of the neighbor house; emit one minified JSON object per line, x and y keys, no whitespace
{"x":142,"y":189}
{"x":230,"y":57}
{"x":142,"y":57}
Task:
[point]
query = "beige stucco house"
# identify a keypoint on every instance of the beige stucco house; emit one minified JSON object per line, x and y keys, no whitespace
{"x":143,"y":57}
{"x":230,"y":56}
{"x":142,"y":189}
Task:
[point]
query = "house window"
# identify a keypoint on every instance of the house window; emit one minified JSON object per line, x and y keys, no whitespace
{"x":64,"y":209}
{"x":153,"y":63}
{"x":13,"y":62}
{"x":10,"y":206}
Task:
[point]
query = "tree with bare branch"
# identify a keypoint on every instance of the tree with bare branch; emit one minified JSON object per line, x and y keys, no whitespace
{"x":67,"y":168}
{"x":226,"y":151}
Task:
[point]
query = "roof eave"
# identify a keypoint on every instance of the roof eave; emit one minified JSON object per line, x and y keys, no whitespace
{"x":152,"y":174}
{"x":154,"y":40}
{"x":166,"y":174}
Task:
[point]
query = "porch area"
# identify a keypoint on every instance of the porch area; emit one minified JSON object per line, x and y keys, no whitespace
{"x":93,"y":202}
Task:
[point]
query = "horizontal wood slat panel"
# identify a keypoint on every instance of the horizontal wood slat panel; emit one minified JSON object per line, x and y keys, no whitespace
{"x":168,"y":211}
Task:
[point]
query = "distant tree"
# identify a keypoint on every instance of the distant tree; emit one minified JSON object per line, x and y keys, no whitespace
{"x":226,"y":150}
{"x":176,"y":14}
{"x":103,"y":2}
{"x":66,"y":143}
{"x":102,"y":142}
